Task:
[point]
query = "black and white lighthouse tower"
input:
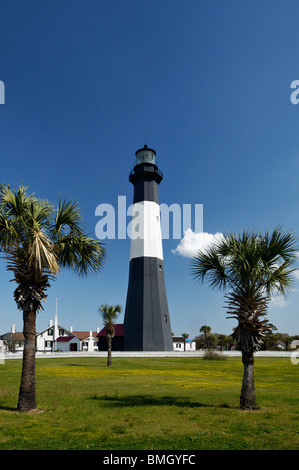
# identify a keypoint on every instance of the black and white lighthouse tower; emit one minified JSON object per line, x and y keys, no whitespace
{"x":146,"y":323}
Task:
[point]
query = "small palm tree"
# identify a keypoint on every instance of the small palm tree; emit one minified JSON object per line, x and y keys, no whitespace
{"x":38,"y":240}
{"x":206,"y":330}
{"x":251,"y":268}
{"x":109,"y":315}
{"x":185,"y":336}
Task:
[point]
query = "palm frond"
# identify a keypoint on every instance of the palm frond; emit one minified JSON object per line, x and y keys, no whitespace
{"x":82,"y":254}
{"x":209,"y":266}
{"x":41,"y":254}
{"x":13,"y":202}
{"x":67,"y":221}
{"x":280,"y":280}
{"x":278,"y":245}
{"x":39,"y":213}
{"x":8,"y":232}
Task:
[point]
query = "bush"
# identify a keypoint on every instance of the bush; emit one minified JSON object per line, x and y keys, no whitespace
{"x":212,"y":354}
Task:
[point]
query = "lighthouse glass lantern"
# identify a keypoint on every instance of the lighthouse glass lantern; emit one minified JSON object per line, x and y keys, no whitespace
{"x":145,"y":155}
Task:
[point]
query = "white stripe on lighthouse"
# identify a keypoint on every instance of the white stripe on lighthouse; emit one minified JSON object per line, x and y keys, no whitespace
{"x":146,"y":237}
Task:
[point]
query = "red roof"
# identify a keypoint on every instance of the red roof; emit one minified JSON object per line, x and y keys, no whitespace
{"x":64,"y":339}
{"x":84,"y":334}
{"x":18,"y":336}
{"x":119,"y":330}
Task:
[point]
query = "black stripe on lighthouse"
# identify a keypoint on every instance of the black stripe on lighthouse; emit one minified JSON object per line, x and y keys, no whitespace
{"x":147,"y":323}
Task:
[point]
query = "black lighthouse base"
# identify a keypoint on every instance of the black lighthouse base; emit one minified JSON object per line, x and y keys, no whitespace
{"x":147,"y":324}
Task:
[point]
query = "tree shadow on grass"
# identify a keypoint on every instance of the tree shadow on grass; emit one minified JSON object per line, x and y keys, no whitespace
{"x":8,"y":408}
{"x":150,"y":400}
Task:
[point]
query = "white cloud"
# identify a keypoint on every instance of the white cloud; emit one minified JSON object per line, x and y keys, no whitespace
{"x":279,"y":301}
{"x":192,"y":242}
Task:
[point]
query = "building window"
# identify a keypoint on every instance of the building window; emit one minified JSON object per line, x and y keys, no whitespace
{"x":61,"y":332}
{"x":48,"y":344}
{"x":50,"y":332}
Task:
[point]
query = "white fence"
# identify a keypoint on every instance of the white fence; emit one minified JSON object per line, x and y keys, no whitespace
{"x":48,"y":355}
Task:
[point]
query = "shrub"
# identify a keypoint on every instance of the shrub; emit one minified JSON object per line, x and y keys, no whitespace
{"x":212,"y":354}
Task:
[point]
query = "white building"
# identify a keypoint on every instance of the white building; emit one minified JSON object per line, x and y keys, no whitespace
{"x":58,"y":338}
{"x":67,"y":343}
{"x":179,"y":344}
{"x":13,"y":341}
{"x":46,"y":339}
{"x":89,"y":340}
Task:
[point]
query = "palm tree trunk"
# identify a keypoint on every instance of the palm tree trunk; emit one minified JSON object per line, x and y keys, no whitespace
{"x":27,"y":393}
{"x":207,"y":341}
{"x":247,"y":398}
{"x":109,"y":362}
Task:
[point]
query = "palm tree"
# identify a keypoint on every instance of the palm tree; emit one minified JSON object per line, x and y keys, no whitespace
{"x":109,"y":314}
{"x":185,"y":336}
{"x":251,"y":268}
{"x":38,"y":240}
{"x":206,"y":330}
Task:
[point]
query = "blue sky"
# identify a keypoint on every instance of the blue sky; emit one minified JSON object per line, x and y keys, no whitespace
{"x":206,"y":83}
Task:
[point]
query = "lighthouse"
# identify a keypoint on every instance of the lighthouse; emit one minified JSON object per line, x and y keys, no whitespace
{"x":146,"y":323}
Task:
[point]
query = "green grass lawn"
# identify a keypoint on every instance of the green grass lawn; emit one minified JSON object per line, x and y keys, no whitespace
{"x":151,"y":404}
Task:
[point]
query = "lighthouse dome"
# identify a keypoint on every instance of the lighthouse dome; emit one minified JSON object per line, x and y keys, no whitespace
{"x":145,"y":155}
